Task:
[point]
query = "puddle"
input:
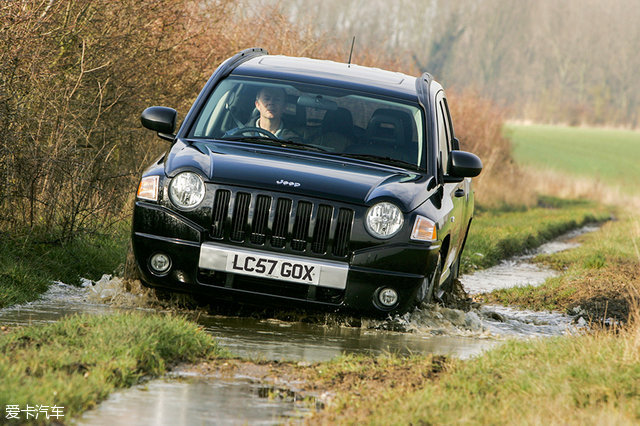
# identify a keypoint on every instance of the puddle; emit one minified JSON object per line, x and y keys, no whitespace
{"x":198,"y":400}
{"x":269,"y":340}
{"x":63,"y":300}
{"x":241,"y":400}
{"x":59,"y":301}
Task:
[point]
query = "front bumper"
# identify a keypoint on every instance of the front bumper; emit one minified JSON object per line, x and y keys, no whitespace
{"x":199,"y":265}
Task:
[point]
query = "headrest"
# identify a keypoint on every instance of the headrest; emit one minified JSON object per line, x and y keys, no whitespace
{"x":339,"y":120}
{"x":390,"y":125}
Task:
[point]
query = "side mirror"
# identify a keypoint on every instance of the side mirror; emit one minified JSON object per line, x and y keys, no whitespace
{"x":161,"y":119}
{"x":463,"y":164}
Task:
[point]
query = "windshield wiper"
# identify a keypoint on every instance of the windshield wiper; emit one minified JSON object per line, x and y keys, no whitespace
{"x":272,"y":141}
{"x":302,"y":145}
{"x":388,"y":160}
{"x":251,"y":139}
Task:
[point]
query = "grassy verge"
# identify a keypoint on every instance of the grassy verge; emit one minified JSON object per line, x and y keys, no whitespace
{"x":78,"y":361}
{"x":590,"y":379}
{"x":28,"y":267}
{"x":501,"y":233}
{"x":586,"y":379}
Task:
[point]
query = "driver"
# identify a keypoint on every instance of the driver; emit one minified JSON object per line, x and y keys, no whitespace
{"x":270,"y":102}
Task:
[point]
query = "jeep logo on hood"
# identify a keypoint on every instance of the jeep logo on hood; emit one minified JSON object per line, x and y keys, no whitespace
{"x":287,"y":183}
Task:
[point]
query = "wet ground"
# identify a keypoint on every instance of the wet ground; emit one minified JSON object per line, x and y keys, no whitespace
{"x":519,"y":271}
{"x":189,"y":399}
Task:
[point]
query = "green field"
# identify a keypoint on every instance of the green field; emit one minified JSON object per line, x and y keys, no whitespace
{"x":612,"y":156}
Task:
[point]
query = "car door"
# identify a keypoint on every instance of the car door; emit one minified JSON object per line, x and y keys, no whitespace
{"x":454,"y":193}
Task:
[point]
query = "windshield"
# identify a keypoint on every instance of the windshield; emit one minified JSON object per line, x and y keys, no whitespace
{"x":328,"y":119}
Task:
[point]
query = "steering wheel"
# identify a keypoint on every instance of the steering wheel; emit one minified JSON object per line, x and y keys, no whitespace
{"x":242,"y":130}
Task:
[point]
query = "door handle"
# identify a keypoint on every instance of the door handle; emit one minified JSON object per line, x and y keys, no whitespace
{"x":459,"y":192}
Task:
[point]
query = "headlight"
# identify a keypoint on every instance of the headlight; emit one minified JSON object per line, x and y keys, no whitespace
{"x":186,"y":190}
{"x":384,"y":220}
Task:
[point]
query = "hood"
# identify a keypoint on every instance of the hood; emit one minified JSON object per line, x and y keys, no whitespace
{"x":300,"y":173}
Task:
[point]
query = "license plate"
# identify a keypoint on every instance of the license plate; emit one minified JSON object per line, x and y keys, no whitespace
{"x":298,"y":269}
{"x":268,"y":267}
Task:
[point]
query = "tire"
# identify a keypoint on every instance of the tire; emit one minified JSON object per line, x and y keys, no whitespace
{"x":454,"y":271}
{"x":428,"y":290}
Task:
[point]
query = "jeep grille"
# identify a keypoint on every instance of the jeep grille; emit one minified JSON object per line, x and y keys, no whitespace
{"x":281,"y":222}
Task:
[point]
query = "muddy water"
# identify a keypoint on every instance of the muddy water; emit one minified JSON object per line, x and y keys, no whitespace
{"x":519,"y":271}
{"x":240,"y":400}
{"x":184,"y":400}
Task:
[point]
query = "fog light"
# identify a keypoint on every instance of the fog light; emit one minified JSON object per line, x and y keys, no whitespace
{"x":160,"y":263}
{"x":388,"y":297}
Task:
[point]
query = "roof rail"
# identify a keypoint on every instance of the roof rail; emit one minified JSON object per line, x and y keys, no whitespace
{"x":428,"y":78}
{"x":422,"y":88}
{"x":240,"y":57}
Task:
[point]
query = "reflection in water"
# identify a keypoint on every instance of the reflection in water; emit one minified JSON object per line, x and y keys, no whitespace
{"x":307,"y":342}
{"x":190,"y":401}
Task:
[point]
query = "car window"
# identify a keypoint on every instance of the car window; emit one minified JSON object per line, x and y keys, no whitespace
{"x":335,"y":120}
{"x":443,"y":136}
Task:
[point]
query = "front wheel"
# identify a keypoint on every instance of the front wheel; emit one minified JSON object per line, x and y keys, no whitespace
{"x":429,"y":289}
{"x":454,"y":272}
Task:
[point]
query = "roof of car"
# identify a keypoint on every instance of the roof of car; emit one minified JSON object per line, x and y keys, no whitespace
{"x":330,"y":73}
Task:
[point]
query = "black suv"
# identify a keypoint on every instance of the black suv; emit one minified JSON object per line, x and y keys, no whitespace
{"x":358,"y":198}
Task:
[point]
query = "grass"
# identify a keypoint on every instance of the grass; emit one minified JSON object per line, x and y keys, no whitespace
{"x":588,"y":380}
{"x":497,"y":234}
{"x":28,"y":267}
{"x":76,"y":362}
{"x":611,"y":156}
{"x":601,"y":277}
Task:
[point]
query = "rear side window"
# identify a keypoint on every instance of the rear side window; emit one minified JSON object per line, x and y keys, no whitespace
{"x":444,"y":133}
